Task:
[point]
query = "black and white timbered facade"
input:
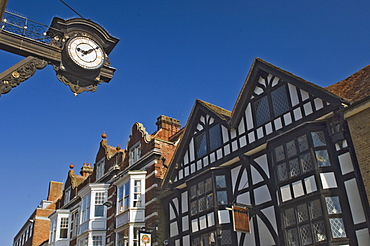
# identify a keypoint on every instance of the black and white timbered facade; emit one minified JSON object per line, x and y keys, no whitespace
{"x":284,"y":152}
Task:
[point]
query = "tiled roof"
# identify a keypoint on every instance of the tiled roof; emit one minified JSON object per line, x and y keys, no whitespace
{"x":354,"y":88}
{"x":222,"y":113}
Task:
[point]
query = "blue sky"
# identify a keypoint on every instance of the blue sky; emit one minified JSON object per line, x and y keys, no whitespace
{"x":170,"y":53}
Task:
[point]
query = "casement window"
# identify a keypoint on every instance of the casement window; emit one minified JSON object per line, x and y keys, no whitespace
{"x":208,"y":140}
{"x":300,"y":155}
{"x":335,"y":217}
{"x":100,"y":168}
{"x":63,"y":230}
{"x":137,"y":194}
{"x":74,"y":223}
{"x":67,"y":195}
{"x":53,"y":230}
{"x":99,"y":207}
{"x":123,"y":197}
{"x":83,"y":242}
{"x":135,"y":153}
{"x":97,"y":241}
{"x":85,"y":208}
{"x":273,"y":102}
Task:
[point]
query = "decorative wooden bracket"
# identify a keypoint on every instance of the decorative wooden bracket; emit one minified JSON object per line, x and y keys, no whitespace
{"x":20,"y":72}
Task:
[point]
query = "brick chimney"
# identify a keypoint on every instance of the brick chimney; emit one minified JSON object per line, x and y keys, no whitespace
{"x":86,"y":170}
{"x":169,"y":126}
{"x":55,"y":190}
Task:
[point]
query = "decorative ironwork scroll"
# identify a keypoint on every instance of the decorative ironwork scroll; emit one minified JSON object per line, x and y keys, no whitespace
{"x":20,"y":72}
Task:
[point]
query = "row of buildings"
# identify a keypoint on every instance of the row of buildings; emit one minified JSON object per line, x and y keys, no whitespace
{"x":289,"y":165}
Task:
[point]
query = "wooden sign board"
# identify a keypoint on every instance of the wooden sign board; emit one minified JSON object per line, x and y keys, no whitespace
{"x":241,"y":219}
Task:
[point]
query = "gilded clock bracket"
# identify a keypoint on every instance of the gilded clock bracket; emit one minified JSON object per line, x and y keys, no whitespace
{"x":20,"y":72}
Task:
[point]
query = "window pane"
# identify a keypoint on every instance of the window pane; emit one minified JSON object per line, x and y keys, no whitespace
{"x":318,"y":139}
{"x":315,"y":209}
{"x":305,"y":233}
{"x":200,"y":188}
{"x":319,"y":231}
{"x":220,"y":181}
{"x":291,"y":149}
{"x":333,"y":205}
{"x":262,"y":110}
{"x":201,"y":144}
{"x":210,"y":201}
{"x":282,"y":172}
{"x":306,"y":162}
{"x":208,"y":186}
{"x":292,"y":237}
{"x":337,"y":227}
{"x":202,"y":204}
{"x":193,"y":191}
{"x":322,"y":158}
{"x":194,"y":207}
{"x":289,"y":216}
{"x":99,"y":210}
{"x":279,"y":101}
{"x":215,"y":137}
{"x":226,"y":237}
{"x":302,"y":143}
{"x":302,"y":213}
{"x":279,"y":153}
{"x":294,"y":168}
{"x":222,"y":197}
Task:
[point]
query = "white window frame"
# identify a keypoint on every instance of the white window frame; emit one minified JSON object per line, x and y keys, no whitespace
{"x":99,"y":199}
{"x":85,"y":208}
{"x":134,"y":153}
{"x":99,"y":166}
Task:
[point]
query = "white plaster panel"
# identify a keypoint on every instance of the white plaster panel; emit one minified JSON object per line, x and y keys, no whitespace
{"x":244,"y":198}
{"x":304,"y":95}
{"x":225,"y":134}
{"x":181,"y":173}
{"x":211,"y":219}
{"x":243,"y":180}
{"x":258,"y":90}
{"x":184,"y":202}
{"x":186,"y":240}
{"x":297,"y":114}
{"x":249,"y":117}
{"x":172,"y":212}
{"x":212,"y":157}
{"x":293,"y":94}
{"x":194,"y":225}
{"x":262,"y":194}
{"x":328,"y":180}
{"x":233,"y":133}
{"x":234,"y":145}
{"x":318,"y":103}
{"x":270,"y":214}
{"x":185,"y":223}
{"x":174,"y":230}
{"x":268,"y":128}
{"x":285,"y":193}
{"x":227,"y":149}
{"x":298,"y":188}
{"x":264,"y":233}
{"x":205,"y":161}
{"x":307,"y":108}
{"x":186,"y":171}
{"x":202,"y":222}
{"x":345,"y":163}
{"x":177,"y":242}
{"x":275,"y":81}
{"x":251,"y":137}
{"x":249,"y":239}
{"x":278,"y":123}
{"x":310,"y":184}
{"x":263,"y":163}
{"x":243,"y":141}
{"x":363,"y":237}
{"x":256,"y":176}
{"x":186,"y":159}
{"x":191,"y":150}
{"x":234,"y":175}
{"x":219,"y":154}
{"x":199,"y":164}
{"x":354,"y":200}
{"x":241,"y":127}
{"x":211,"y":120}
{"x":287,"y":119}
{"x":223,"y":216}
{"x":260,"y":132}
{"x":192,"y":168}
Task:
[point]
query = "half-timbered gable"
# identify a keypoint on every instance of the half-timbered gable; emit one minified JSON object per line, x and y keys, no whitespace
{"x":284,"y":154}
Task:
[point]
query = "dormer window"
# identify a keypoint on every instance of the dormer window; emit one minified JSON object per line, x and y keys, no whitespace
{"x":135,"y":153}
{"x":100,"y":168}
{"x":67,"y":195}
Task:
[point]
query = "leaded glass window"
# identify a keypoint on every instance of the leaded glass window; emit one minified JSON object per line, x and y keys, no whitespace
{"x":337,"y":227}
{"x":322,"y":158}
{"x":208,"y":140}
{"x":333,"y":205}
{"x":201,"y":144}
{"x":262,"y":109}
{"x":215,"y":139}
{"x":222,"y":197}
{"x":280,"y":102}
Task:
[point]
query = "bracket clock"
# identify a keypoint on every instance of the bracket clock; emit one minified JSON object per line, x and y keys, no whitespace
{"x":77,"y":49}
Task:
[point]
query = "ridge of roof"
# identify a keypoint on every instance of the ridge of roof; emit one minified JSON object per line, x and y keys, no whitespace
{"x":220,"y":112}
{"x":354,"y":88}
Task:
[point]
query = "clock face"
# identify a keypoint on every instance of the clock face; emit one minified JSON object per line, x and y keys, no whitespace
{"x":85,"y":52}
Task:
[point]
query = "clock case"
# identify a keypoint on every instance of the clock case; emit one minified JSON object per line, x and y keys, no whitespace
{"x":80,"y":79}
